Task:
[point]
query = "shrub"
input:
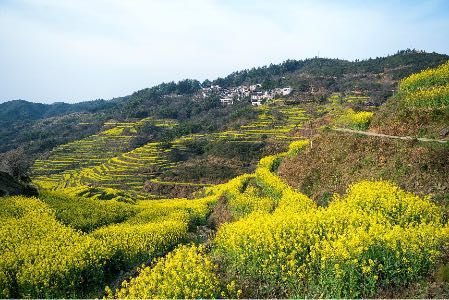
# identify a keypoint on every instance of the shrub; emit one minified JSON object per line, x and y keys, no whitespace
{"x":87,"y":214}
{"x":355,"y":120}
{"x":136,"y":244}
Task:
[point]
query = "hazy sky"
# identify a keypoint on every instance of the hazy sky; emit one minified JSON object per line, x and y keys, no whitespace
{"x":74,"y":50}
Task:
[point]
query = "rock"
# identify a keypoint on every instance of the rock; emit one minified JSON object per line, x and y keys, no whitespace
{"x":9,"y":186}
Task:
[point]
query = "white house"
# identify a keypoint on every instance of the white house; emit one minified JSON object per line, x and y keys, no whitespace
{"x":226,"y":101}
{"x":255,"y":87}
{"x":286,"y":91}
{"x":257,"y":96}
{"x":256,"y":103}
{"x":277,"y":91}
{"x":267,"y":95}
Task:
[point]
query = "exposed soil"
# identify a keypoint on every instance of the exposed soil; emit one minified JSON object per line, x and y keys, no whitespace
{"x":337,"y":160}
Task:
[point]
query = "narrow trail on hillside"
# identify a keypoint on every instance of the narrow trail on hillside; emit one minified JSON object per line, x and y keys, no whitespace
{"x":368,"y":133}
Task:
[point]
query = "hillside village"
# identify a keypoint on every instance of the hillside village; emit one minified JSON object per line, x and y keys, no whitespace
{"x":254,"y":92}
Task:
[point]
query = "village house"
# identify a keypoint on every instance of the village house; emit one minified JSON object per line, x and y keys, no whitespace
{"x":254,"y":93}
{"x":226,"y":101}
{"x":286,"y":91}
{"x":256,"y":102}
{"x":254,"y":87}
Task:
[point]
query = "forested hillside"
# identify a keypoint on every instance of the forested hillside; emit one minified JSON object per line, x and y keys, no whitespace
{"x":39,"y":128}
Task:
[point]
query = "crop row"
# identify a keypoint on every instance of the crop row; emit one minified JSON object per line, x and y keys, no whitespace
{"x":92,"y":150}
{"x":130,"y":170}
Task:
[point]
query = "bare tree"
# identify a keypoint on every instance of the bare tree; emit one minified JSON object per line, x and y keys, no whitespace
{"x":16,"y":163}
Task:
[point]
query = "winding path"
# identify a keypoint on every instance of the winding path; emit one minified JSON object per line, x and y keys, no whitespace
{"x":368,"y":133}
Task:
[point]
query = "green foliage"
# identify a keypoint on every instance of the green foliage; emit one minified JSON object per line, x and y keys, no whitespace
{"x":99,"y":193}
{"x":193,"y":212}
{"x":281,"y":243}
{"x":420,"y":106}
{"x":132,"y":245}
{"x":42,"y":258}
{"x":295,"y":147}
{"x":277,"y":243}
{"x":252,"y":199}
{"x":426,"y":89}
{"x":242,"y":151}
{"x":426,"y":79}
{"x":415,"y":60}
{"x":335,"y":99}
{"x":85,"y":168}
{"x":40,"y":127}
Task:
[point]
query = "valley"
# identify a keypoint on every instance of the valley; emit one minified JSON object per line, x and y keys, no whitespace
{"x":93,"y":162}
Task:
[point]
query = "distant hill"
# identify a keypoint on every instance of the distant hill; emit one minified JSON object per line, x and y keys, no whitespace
{"x":25,"y":110}
{"x":316,"y":78}
{"x":269,"y":201}
{"x":401,"y":64}
{"x":40,"y":127}
{"x":340,"y":159}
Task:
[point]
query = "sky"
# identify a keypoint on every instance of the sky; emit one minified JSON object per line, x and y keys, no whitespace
{"x":78,"y":50}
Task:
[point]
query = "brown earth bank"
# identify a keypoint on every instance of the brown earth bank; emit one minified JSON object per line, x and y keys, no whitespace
{"x":337,"y":160}
{"x":395,"y":119}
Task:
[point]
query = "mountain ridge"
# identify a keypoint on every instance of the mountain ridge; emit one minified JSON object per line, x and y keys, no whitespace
{"x":312,"y":80}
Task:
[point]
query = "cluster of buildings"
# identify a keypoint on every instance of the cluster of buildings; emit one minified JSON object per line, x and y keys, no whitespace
{"x":254,"y":92}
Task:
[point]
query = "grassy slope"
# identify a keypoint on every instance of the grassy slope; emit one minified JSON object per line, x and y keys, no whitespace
{"x":338,"y":159}
{"x":420,"y":107}
{"x":396,"y":119}
{"x":39,"y":127}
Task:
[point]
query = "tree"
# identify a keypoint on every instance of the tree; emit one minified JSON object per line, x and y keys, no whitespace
{"x":16,"y":163}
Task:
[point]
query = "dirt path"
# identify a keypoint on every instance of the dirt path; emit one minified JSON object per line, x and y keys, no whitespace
{"x":388,"y":136}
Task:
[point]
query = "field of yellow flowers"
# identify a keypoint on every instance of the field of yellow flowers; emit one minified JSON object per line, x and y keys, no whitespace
{"x":44,"y":253}
{"x":276,"y":243}
{"x":427,"y":89}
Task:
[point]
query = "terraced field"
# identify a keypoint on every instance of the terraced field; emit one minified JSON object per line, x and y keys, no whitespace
{"x":90,"y":151}
{"x":374,"y":236}
{"x":100,"y":160}
{"x":267,"y":125}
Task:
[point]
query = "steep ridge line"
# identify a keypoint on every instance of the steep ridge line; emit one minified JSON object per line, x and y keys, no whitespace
{"x":368,"y":133}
